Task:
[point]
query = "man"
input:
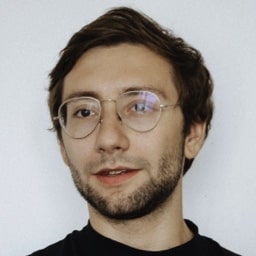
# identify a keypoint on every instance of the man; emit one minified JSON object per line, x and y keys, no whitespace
{"x":131,"y":105}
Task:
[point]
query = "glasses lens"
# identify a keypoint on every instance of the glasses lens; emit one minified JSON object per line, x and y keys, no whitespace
{"x":79,"y":117}
{"x":140,"y":110}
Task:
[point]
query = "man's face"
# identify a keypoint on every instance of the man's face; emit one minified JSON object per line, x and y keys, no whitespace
{"x":123,"y":173}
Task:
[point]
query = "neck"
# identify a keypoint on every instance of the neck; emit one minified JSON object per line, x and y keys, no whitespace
{"x":163,"y":229}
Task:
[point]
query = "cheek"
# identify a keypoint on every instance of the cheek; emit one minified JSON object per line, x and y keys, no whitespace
{"x":169,"y":132}
{"x":76,"y":152}
{"x":166,"y":138}
{"x":154,"y":144}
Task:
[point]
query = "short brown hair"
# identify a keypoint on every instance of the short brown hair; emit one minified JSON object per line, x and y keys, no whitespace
{"x":125,"y":25}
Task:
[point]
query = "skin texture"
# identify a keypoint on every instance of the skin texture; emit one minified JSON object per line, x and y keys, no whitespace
{"x":121,"y":205}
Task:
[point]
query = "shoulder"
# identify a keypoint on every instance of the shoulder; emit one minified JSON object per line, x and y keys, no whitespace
{"x":211,"y":247}
{"x":63,"y":247}
{"x":204,"y":245}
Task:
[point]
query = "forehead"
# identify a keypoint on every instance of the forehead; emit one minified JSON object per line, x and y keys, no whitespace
{"x":109,"y":71}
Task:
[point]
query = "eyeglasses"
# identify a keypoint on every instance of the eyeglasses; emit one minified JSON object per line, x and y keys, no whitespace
{"x":139,"y":110}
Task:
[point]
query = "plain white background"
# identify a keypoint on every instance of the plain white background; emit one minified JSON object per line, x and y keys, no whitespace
{"x":39,"y":204}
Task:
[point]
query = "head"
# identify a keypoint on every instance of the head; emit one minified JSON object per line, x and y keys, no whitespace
{"x":123,"y":25}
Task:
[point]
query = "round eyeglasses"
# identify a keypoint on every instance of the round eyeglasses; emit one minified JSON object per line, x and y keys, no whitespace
{"x":139,"y":110}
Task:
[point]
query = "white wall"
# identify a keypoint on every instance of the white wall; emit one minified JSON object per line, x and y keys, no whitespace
{"x":39,"y":204}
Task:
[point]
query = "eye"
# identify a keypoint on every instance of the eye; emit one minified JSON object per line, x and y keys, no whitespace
{"x":84,"y":113}
{"x":142,"y":107}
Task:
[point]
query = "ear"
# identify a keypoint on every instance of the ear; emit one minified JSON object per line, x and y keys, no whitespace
{"x":194,"y":140}
{"x":63,"y":153}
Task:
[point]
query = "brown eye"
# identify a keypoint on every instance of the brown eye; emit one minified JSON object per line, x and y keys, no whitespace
{"x":83,"y":113}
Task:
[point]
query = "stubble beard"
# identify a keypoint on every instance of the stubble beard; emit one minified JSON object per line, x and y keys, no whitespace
{"x":143,"y":201}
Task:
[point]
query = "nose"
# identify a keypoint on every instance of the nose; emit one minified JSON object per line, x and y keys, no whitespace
{"x":111,"y":134}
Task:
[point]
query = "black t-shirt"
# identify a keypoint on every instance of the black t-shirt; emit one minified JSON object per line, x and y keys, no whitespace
{"x":89,"y":242}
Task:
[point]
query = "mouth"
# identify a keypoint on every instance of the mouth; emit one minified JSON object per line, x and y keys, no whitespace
{"x":115,"y":176}
{"x":113,"y":172}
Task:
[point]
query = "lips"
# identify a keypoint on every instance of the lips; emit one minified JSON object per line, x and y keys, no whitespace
{"x":115,"y":176}
{"x":113,"y":172}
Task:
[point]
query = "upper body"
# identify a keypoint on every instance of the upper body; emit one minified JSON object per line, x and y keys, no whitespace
{"x":132,"y":106}
{"x":89,"y":242}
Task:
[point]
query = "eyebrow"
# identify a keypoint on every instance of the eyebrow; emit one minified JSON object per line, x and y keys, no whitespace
{"x":78,"y":94}
{"x":146,"y":88}
{"x":94,"y":94}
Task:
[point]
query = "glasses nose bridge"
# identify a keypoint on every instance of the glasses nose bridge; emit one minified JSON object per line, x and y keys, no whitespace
{"x":107,"y":100}
{"x":102,"y":102}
